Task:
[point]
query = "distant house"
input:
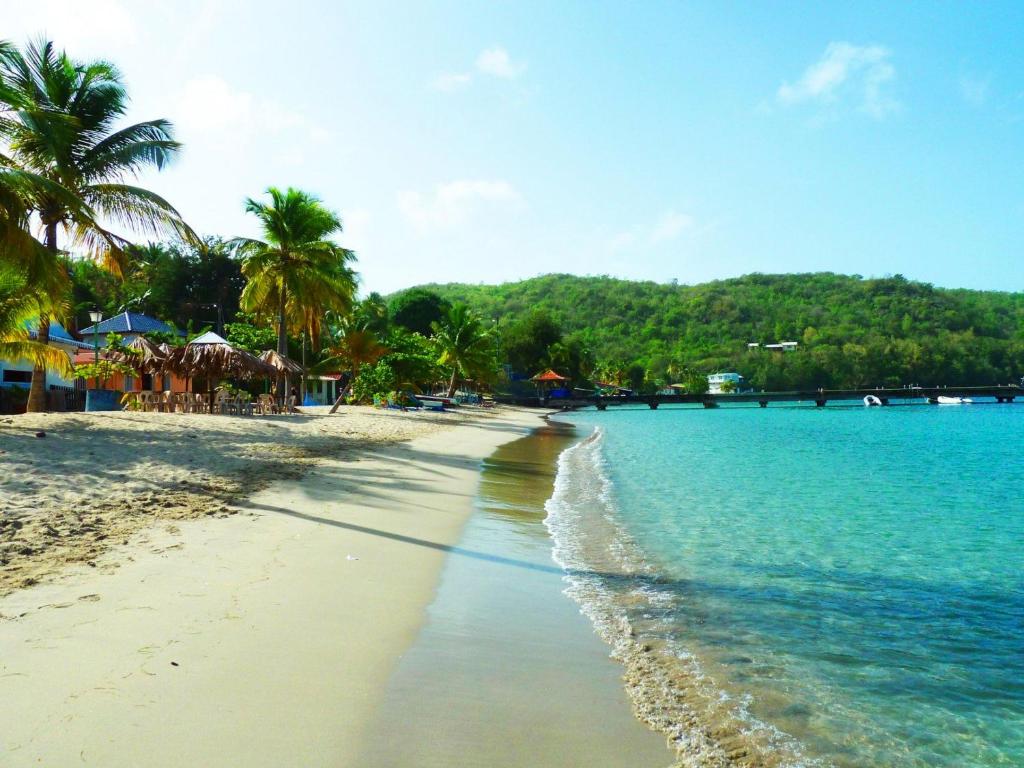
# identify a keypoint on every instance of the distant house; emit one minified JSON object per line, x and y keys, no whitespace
{"x":716,"y":381}
{"x":782,"y":346}
{"x":19,"y":373}
{"x":128,"y":324}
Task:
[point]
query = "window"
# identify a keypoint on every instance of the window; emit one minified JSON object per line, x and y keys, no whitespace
{"x":129,"y":383}
{"x":17,"y":377}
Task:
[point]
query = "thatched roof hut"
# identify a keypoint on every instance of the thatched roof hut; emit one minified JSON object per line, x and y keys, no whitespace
{"x":210,"y":356}
{"x":282,"y":364}
{"x":147,"y":357}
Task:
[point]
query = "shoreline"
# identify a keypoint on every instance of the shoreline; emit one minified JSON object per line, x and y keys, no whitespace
{"x":505,"y":652}
{"x":265,"y":638}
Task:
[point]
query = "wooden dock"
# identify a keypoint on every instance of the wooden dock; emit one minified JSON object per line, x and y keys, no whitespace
{"x":820,"y":397}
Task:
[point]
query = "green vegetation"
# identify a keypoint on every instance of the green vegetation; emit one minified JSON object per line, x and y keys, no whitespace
{"x":59,"y":123}
{"x":852,"y":332}
{"x":297,"y":273}
{"x":18,"y":305}
{"x":416,"y":309}
{"x":465,"y":345}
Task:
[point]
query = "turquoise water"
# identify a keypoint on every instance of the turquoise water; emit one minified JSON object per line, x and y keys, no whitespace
{"x":837,"y":586}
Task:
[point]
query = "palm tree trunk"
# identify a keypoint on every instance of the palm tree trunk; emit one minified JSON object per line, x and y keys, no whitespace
{"x":282,"y":339}
{"x":37,"y":390}
{"x":451,"y":384}
{"x":341,"y":395}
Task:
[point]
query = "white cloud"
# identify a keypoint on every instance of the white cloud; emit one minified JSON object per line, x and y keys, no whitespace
{"x":75,"y":25}
{"x":493,"y":62}
{"x":208,"y":105}
{"x":454,"y":202}
{"x":974,"y":90}
{"x":496,"y":62}
{"x":844,"y":68}
{"x":452,"y":81}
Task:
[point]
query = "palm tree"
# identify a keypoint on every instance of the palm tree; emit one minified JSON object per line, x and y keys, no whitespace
{"x":355,"y":347}
{"x":18,"y":306}
{"x":465,"y":344}
{"x":60,"y":123}
{"x":297,"y":273}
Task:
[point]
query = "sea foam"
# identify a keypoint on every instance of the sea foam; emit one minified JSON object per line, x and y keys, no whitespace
{"x":608,"y":576}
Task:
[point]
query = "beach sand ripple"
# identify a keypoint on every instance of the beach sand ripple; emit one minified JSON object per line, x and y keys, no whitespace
{"x":96,"y":479}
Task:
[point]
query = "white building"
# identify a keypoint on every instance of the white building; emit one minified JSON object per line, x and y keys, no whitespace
{"x":782,"y":346}
{"x":18,"y":373}
{"x":716,"y":380}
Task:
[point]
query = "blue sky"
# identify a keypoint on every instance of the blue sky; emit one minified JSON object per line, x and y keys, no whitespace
{"x":690,"y":141}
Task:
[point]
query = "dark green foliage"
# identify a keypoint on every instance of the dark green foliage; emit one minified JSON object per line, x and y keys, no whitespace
{"x":372,"y":314}
{"x":526,"y":341}
{"x":416,"y":309}
{"x":412,"y":357}
{"x":851,"y":331}
{"x":251,"y":338}
{"x":180,"y":284}
{"x":377,"y":379}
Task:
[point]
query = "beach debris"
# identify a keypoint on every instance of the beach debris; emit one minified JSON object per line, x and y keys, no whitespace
{"x":351,"y":557}
{"x":40,"y":433}
{"x":175,"y":664}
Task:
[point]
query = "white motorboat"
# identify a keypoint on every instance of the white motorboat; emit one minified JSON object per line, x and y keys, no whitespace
{"x":871,"y":400}
{"x":945,"y":400}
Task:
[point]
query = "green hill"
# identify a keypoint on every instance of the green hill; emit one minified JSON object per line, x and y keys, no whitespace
{"x":851,"y":331}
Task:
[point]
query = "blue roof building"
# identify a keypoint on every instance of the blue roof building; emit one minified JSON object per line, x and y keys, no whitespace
{"x":129,"y":325}
{"x":58,"y":336}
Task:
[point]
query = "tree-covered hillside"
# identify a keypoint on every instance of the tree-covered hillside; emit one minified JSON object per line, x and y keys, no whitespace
{"x":851,"y":331}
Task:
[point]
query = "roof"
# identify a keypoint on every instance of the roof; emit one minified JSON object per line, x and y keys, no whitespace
{"x":548,"y":375}
{"x":128,"y":322}
{"x":209,"y":338}
{"x":58,"y":335}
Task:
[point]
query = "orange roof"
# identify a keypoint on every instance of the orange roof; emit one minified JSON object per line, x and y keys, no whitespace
{"x":548,"y":375}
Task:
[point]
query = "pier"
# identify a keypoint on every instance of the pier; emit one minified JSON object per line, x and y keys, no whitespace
{"x":820,"y":397}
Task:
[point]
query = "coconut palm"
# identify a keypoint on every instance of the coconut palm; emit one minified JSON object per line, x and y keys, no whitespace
{"x":464,"y":344}
{"x":355,"y":348}
{"x":296,"y":271}
{"x":60,"y":124}
{"x":19,"y":250}
{"x":18,"y":306}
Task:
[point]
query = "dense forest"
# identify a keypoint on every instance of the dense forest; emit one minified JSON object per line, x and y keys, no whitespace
{"x":851,"y":331}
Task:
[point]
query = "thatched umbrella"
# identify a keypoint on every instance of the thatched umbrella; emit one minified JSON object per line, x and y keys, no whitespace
{"x":282,"y":364}
{"x":285,"y":366}
{"x":210,"y":356}
{"x":148,"y":357}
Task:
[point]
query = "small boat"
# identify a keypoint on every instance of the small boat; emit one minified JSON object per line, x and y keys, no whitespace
{"x":871,"y":400}
{"x":945,"y":400}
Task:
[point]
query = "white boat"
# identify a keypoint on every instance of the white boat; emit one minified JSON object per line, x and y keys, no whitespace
{"x":944,"y":400}
{"x":870,"y":400}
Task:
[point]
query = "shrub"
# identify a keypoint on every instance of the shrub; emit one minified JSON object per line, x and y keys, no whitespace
{"x":378,"y":379}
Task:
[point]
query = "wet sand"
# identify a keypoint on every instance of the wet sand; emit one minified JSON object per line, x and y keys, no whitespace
{"x":507,"y":673}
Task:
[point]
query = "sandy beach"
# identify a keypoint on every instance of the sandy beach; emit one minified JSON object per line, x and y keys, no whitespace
{"x":74,"y":485}
{"x":261,"y":638}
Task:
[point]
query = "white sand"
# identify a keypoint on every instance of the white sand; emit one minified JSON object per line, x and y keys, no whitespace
{"x":97,"y":478}
{"x":261,"y":639}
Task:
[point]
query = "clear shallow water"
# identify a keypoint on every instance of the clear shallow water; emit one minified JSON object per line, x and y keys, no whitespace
{"x":838,"y":586}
